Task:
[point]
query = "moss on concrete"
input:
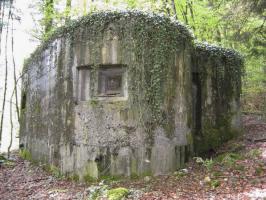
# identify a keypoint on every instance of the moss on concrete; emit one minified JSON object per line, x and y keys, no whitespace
{"x":91,"y":170}
{"x":25,"y":154}
{"x":117,"y":193}
{"x":213,"y":136}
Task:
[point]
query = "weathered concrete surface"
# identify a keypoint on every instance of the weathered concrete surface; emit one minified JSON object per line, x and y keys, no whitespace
{"x":67,"y":123}
{"x":218,"y":108}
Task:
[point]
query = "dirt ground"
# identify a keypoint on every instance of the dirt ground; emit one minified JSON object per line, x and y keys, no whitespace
{"x":238,"y":171}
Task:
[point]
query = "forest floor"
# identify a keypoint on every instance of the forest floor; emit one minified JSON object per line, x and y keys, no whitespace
{"x":238,"y":171}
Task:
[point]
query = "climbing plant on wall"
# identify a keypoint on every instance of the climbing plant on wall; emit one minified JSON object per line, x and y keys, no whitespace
{"x":233,"y":23}
{"x":220,"y":71}
{"x":154,"y":40}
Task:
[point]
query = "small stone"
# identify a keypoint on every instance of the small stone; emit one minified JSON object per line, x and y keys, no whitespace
{"x":147,"y":178}
{"x":184,"y":170}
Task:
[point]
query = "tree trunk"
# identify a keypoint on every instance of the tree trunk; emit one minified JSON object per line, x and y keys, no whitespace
{"x":2,"y":11}
{"x":174,"y":9}
{"x":165,"y":2}
{"x":84,"y":7}
{"x":6,"y":73}
{"x":68,"y":10}
{"x":48,"y":15}
{"x":190,"y":6}
{"x":14,"y":69}
{"x":264,"y":93}
{"x":11,"y":125}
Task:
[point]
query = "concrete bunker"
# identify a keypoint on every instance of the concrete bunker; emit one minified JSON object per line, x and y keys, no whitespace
{"x":126,"y":93}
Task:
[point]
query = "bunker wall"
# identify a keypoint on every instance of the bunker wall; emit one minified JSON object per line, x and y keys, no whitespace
{"x":137,"y":121}
{"x":217,"y":78}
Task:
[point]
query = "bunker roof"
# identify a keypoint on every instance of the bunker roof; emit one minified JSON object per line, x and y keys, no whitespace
{"x":99,"y":21}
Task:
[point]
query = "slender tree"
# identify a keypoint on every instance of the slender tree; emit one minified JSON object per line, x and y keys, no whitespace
{"x":48,"y":15}
{"x":14,"y":68}
{"x":6,"y":71}
{"x":11,"y":124}
{"x":174,"y":9}
{"x":2,"y":11}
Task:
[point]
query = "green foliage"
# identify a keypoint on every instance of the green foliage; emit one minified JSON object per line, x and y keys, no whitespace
{"x":211,"y":139}
{"x":97,"y":192}
{"x":93,"y":103}
{"x":134,"y":176}
{"x":215,"y":183}
{"x":260,"y":169}
{"x":217,"y":174}
{"x":234,"y":24}
{"x":228,"y":67}
{"x":179,"y":174}
{"x":9,"y":163}
{"x":89,"y":179}
{"x":25,"y":154}
{"x":156,"y":38}
{"x":48,"y":9}
{"x":238,"y":26}
{"x":214,"y":134}
{"x":73,"y":177}
{"x":6,"y":162}
{"x":212,"y":182}
{"x":254,"y":153}
{"x":229,"y":159}
{"x":208,"y":163}
{"x":2,"y":157}
{"x":220,"y":70}
{"x":110,"y":178}
{"x":55,"y":171}
{"x":117,"y":193}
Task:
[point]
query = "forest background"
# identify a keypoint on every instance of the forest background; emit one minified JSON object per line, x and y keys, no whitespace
{"x":237,"y":24}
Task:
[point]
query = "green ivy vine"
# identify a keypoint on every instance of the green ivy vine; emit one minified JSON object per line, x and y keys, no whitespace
{"x":155,"y":40}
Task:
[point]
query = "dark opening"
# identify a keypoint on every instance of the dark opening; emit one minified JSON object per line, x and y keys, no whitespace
{"x":103,"y":163}
{"x":23,"y":101}
{"x":110,"y":82}
{"x":187,"y":153}
{"x":197,"y":111}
